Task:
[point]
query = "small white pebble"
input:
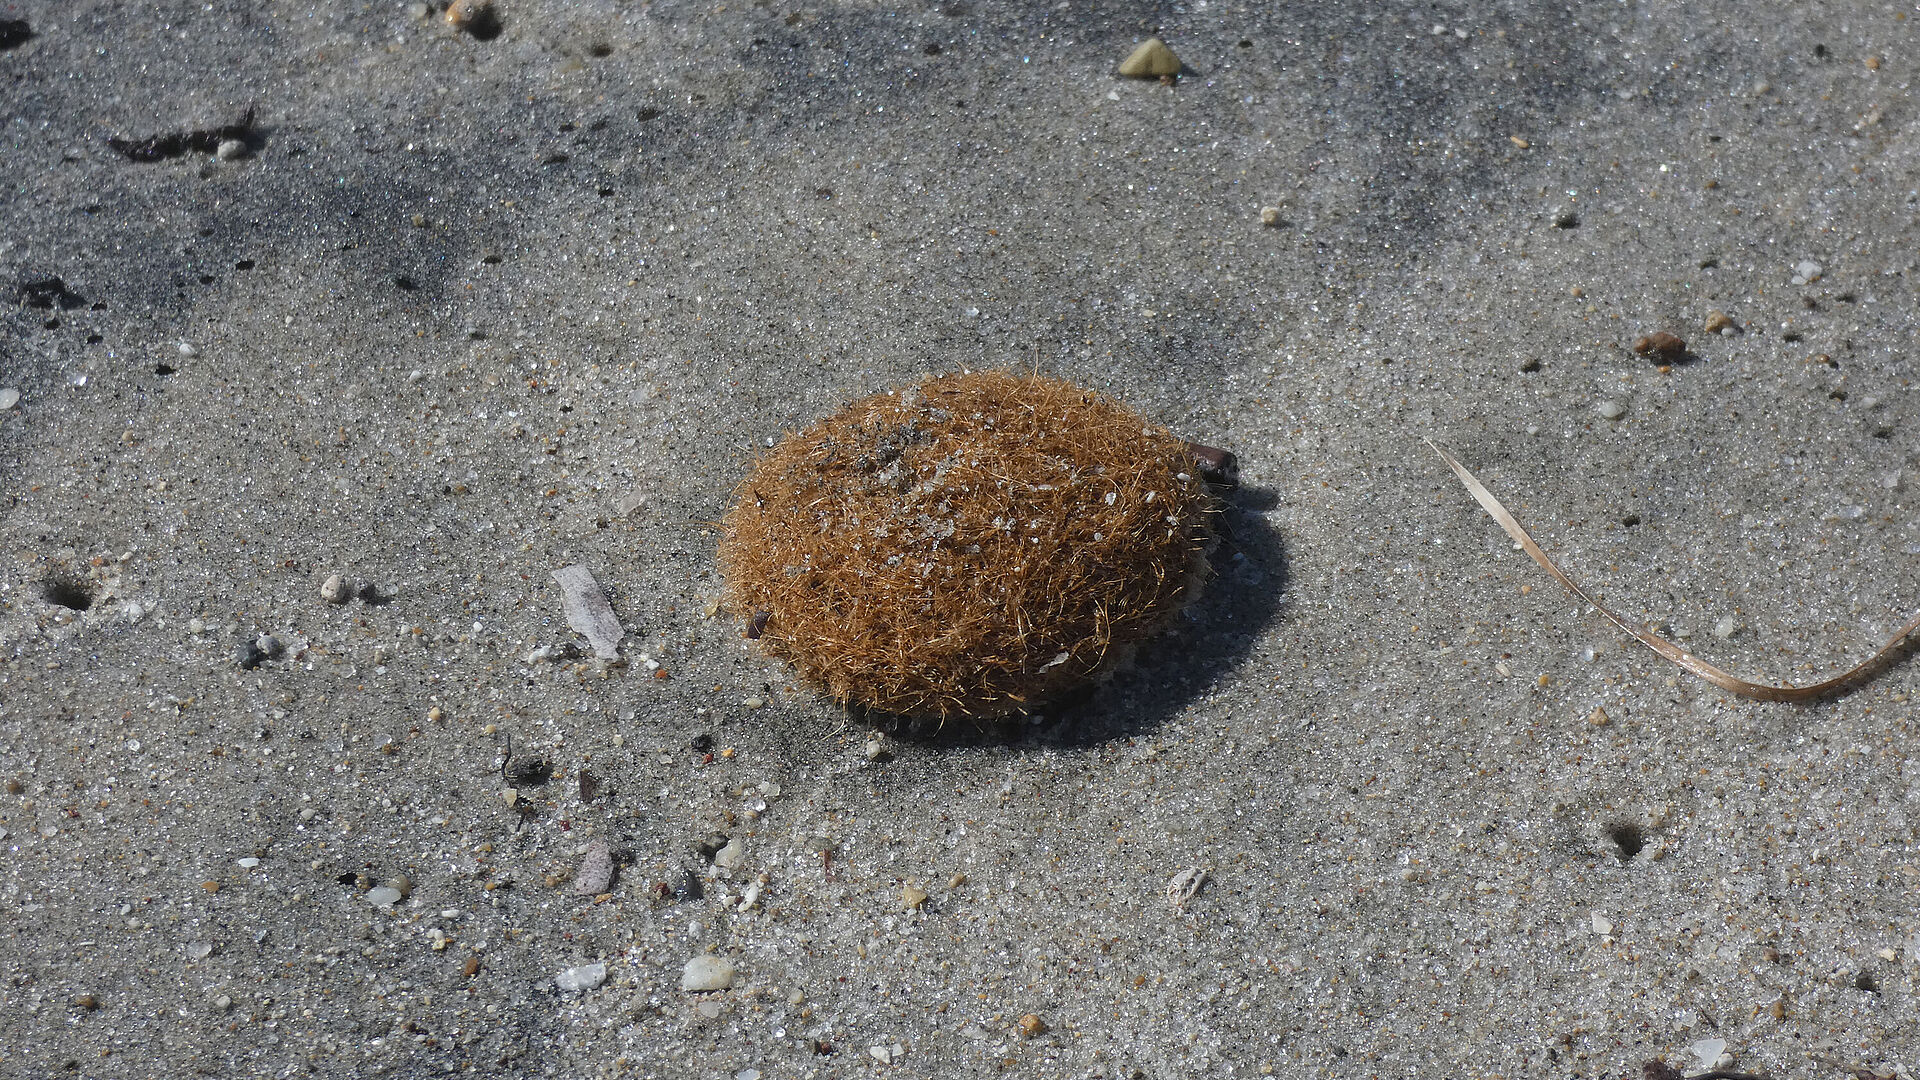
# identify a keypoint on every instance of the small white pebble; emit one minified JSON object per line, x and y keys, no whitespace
{"x":1270,"y":216}
{"x":584,"y":977}
{"x":1610,"y":410}
{"x":703,"y":973}
{"x":755,"y":703}
{"x":1725,"y":628}
{"x":9,"y":397}
{"x":230,"y":150}
{"x":335,"y":590}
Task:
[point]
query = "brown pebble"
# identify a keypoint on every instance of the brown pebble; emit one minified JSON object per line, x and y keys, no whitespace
{"x":14,"y":787}
{"x":471,"y":967}
{"x":464,"y":13}
{"x":210,"y":886}
{"x":1032,"y":1027}
{"x":1873,"y":63}
{"x":911,"y":897}
{"x":1661,"y":344}
{"x":87,"y":1002}
{"x":1599,"y":718}
{"x":1718,"y":321}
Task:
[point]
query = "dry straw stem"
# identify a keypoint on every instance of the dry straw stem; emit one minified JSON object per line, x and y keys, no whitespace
{"x":968,"y":546}
{"x":1725,"y":681}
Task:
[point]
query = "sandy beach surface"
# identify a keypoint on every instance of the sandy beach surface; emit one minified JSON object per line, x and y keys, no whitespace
{"x":313,"y":302}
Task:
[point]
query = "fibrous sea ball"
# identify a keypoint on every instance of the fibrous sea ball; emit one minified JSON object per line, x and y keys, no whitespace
{"x":968,"y":546}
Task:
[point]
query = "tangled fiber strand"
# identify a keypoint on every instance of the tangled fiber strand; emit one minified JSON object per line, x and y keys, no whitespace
{"x":967,"y":546}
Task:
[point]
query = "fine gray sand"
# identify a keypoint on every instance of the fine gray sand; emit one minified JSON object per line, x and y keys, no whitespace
{"x":469,"y":311}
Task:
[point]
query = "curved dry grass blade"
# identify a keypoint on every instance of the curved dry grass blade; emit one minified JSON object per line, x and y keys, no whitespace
{"x":1733,"y":684}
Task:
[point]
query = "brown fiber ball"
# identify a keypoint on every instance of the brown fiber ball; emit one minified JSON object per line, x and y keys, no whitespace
{"x":968,"y":546}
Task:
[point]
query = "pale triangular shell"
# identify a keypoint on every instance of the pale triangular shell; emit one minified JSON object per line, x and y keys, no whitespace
{"x":1150,"y":61}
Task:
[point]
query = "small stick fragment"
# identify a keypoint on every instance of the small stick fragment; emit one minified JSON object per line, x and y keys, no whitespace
{"x":588,"y":611}
{"x":1731,"y":683}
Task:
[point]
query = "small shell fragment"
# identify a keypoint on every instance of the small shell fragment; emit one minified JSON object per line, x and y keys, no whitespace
{"x":1152,"y":60}
{"x":588,"y":611}
{"x":596,"y":870}
{"x":1184,"y":885}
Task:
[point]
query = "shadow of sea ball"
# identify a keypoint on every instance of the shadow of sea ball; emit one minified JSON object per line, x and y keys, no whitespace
{"x":966,"y":547}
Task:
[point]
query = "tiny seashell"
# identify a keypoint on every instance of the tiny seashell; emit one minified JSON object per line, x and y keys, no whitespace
{"x":1152,"y":60}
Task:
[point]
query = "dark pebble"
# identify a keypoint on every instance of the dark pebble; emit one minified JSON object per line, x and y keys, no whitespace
{"x":690,"y":888}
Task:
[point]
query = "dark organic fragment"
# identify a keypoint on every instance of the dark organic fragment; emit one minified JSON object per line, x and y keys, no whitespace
{"x":14,"y":33}
{"x":528,"y":772}
{"x":1217,"y":467}
{"x":48,"y":293}
{"x":175,"y":143}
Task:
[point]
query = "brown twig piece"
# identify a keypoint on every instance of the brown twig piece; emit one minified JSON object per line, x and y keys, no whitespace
{"x":1725,"y":681}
